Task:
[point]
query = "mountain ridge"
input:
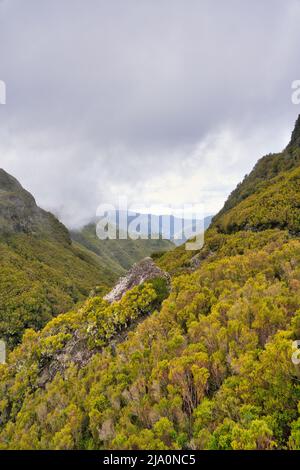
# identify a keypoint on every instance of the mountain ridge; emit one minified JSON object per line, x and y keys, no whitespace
{"x":267,"y":168}
{"x":118,"y":254}
{"x":19,"y":212}
{"x":43,"y":271}
{"x":208,"y":367}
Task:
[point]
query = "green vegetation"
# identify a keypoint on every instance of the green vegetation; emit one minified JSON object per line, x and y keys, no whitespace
{"x":40,"y":278}
{"x":265,"y":170}
{"x":275,"y":205}
{"x":43,"y":273}
{"x":119,"y":255}
{"x":210,"y":368}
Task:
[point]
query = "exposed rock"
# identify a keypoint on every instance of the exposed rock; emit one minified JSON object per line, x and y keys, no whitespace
{"x":295,"y":139}
{"x":107,"y":430}
{"x":198,"y":259}
{"x":139,"y":273}
{"x":76,"y":350}
{"x":19,"y":212}
{"x":195,"y":261}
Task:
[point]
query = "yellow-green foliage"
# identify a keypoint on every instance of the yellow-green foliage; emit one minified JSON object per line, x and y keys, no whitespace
{"x":264,"y":171}
{"x":40,"y":278}
{"x":218,"y":245}
{"x":119,"y":255}
{"x":277,"y":205}
{"x":211,"y":370}
{"x":42,"y":273}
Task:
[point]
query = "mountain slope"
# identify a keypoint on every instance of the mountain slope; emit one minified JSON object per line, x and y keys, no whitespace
{"x":265,"y":173}
{"x":267,"y":198}
{"x":20,"y":214}
{"x":274,"y":205}
{"x":41,"y":278}
{"x":209,"y":369}
{"x":42,"y":273}
{"x":118,"y":255}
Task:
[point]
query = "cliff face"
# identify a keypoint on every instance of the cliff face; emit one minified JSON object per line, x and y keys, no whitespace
{"x":42,"y":273}
{"x":295,"y":139}
{"x":19,"y":212}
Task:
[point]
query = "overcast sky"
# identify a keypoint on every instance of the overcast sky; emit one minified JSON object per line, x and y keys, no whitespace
{"x":162,"y":101}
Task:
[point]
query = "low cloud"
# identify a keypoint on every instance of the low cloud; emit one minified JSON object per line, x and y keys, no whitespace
{"x":160,"y":101}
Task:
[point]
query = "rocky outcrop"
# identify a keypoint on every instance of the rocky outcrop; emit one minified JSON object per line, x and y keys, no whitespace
{"x":76,"y":350}
{"x":19,"y":212}
{"x":295,"y":139}
{"x":143,"y":271}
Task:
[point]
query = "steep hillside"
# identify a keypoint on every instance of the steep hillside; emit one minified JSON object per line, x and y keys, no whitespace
{"x":271,"y":173}
{"x":267,"y":198}
{"x":40,"y":278}
{"x":118,"y":255}
{"x":42,"y":273}
{"x":208,"y":367}
{"x":19,"y":213}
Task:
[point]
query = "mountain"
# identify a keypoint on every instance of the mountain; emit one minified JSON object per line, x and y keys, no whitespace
{"x":19,"y":213}
{"x":206,"y":364}
{"x":118,"y":255}
{"x":42,"y":272}
{"x":168,"y":227}
{"x":269,"y":196}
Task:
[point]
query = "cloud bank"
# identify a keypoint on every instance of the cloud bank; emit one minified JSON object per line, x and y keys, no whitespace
{"x":162,"y":101}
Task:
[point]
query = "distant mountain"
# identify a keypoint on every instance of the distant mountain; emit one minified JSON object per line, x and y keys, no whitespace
{"x":118,"y":255}
{"x":176,"y":229}
{"x":166,"y":227}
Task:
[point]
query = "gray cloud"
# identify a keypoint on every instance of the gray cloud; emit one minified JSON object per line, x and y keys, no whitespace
{"x":163,"y":100}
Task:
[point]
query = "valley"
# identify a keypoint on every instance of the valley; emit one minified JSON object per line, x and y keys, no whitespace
{"x":198,"y":356}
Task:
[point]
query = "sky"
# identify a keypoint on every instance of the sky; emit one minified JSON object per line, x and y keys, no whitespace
{"x":158,"y":101}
